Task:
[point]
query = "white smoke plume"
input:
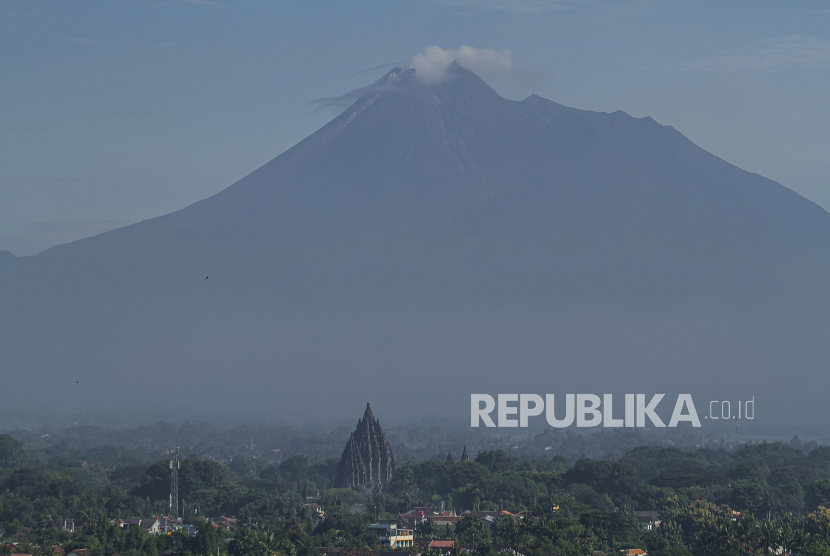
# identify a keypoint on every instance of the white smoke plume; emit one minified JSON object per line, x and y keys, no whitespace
{"x":430,"y":67}
{"x":432,"y":64}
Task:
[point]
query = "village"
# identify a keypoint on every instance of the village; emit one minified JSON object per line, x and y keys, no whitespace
{"x":367,"y":504}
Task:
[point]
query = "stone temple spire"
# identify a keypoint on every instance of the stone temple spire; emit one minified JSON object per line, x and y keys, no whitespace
{"x":464,"y":455}
{"x":450,"y":459}
{"x":367,"y":459}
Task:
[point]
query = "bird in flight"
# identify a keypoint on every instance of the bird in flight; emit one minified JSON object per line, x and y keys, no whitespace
{"x":206,"y":277}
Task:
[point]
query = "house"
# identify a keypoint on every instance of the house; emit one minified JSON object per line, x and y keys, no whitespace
{"x":151,"y":526}
{"x":649,"y":519}
{"x":489,"y":520}
{"x":633,"y":552}
{"x":224,"y":523}
{"x":444,"y":520}
{"x":388,"y":534}
{"x":167,"y":525}
{"x":494,"y":515}
{"x":407,"y":521}
{"x":444,"y":547}
{"x":424,"y":511}
{"x":317,"y":509}
{"x":490,"y":517}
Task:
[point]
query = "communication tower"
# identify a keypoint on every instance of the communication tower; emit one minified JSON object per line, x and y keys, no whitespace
{"x":175,"y":464}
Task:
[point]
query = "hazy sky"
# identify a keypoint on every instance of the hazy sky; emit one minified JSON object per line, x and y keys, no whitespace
{"x":113,"y":112}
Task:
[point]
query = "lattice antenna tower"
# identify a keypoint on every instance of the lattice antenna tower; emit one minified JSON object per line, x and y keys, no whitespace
{"x":175,"y":464}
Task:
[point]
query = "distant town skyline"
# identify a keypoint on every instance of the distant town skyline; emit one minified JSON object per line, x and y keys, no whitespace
{"x":122,"y":111}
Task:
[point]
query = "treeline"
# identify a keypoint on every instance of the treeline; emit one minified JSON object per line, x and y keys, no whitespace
{"x":757,"y":499}
{"x":764,"y":480}
{"x":109,"y":446}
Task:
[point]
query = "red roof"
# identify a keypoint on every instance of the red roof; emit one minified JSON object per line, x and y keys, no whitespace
{"x":442,"y":544}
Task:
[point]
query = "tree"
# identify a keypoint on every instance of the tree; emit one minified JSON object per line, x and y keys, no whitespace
{"x":698,"y":516}
{"x":749,"y":497}
{"x":786,"y":534}
{"x":426,"y":528}
{"x":818,"y":524}
{"x":588,"y":472}
{"x":273,"y":545}
{"x":246,"y":543}
{"x":818,"y":494}
{"x":747,"y":532}
{"x":208,"y":540}
{"x":496,"y":461}
{"x":623,"y":480}
{"x":749,"y":470}
{"x":11,"y":451}
{"x":295,"y":468}
{"x":472,"y":531}
{"x":512,"y":533}
{"x":769,"y":537}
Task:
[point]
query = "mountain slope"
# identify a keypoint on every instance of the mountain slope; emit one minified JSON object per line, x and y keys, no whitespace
{"x":421,"y":202}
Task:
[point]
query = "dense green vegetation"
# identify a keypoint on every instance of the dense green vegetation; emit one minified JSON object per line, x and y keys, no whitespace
{"x":575,"y":506}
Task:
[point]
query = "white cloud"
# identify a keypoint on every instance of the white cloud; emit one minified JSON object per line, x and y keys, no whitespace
{"x":431,"y":65}
{"x":795,"y":51}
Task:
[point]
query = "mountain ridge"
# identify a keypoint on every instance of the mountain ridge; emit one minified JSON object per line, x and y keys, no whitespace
{"x":472,"y":183}
{"x":417,"y":205}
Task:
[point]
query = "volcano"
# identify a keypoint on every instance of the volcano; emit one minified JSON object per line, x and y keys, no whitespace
{"x":439,"y":234}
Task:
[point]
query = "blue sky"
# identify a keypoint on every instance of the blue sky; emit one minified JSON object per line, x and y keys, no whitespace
{"x":113,"y":112}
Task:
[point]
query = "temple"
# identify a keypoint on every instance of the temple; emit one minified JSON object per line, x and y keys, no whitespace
{"x":367,"y":459}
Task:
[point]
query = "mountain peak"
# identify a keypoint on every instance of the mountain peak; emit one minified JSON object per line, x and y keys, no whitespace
{"x":456,"y":82}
